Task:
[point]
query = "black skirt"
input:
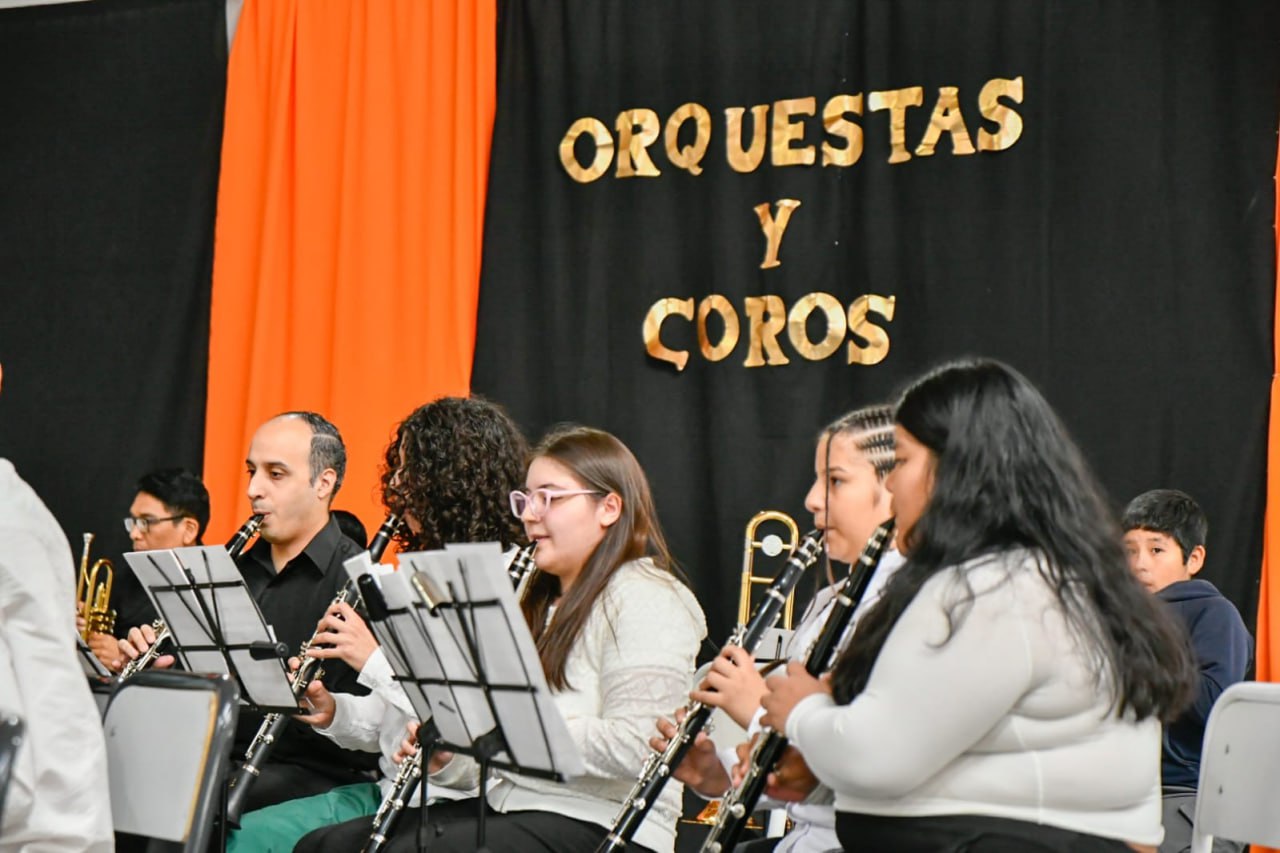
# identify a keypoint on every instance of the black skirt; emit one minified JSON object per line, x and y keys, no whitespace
{"x":861,"y":833}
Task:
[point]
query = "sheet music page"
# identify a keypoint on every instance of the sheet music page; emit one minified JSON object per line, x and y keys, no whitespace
{"x":177,"y":607}
{"x":232,"y":607}
{"x":534,"y":728}
{"x":358,"y":565}
{"x":461,"y":712}
{"x":265,"y":682}
{"x":403,"y":629}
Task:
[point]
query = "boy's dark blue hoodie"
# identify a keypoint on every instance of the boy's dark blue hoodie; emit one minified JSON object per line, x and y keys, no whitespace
{"x":1223,"y":650}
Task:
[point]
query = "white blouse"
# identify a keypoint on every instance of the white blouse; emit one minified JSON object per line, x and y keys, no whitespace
{"x":1005,"y":718}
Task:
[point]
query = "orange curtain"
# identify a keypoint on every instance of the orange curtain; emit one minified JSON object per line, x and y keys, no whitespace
{"x":1268,"y":631}
{"x":347,"y":245}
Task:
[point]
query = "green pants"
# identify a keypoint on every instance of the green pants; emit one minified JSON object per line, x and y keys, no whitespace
{"x":277,"y":828}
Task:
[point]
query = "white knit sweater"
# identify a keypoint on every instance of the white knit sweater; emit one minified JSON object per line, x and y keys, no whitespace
{"x":1003,"y":719}
{"x":632,"y":663}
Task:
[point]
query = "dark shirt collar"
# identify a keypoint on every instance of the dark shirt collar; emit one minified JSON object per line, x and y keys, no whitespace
{"x":316,"y":556}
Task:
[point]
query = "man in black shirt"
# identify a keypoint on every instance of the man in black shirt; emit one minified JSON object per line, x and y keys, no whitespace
{"x":295,"y":464}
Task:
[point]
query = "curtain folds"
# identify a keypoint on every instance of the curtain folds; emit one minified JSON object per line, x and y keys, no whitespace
{"x":347,"y":245}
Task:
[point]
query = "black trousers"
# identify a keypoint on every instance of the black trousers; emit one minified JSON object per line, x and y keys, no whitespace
{"x":452,"y":829}
{"x":278,"y":782}
{"x":964,"y":834}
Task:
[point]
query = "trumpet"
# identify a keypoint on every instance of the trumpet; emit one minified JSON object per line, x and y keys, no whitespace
{"x":235,"y":547}
{"x":93,"y":597}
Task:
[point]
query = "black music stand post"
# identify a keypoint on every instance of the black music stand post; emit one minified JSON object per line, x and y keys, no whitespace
{"x":459,"y":646}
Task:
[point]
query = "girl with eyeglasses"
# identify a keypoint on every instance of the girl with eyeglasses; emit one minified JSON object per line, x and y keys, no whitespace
{"x":1006,"y":691}
{"x":617,"y":632}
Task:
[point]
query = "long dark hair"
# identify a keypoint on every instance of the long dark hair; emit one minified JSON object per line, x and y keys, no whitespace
{"x":1007,"y":475}
{"x":462,"y":458}
{"x":601,"y":462}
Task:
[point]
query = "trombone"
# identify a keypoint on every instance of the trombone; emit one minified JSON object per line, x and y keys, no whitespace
{"x":93,"y":594}
{"x":771,"y":545}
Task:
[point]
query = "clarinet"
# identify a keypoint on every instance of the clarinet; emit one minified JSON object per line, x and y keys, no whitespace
{"x":309,"y":669}
{"x":410,"y":772}
{"x":235,"y":548}
{"x":657,"y":767}
{"x":739,"y":802}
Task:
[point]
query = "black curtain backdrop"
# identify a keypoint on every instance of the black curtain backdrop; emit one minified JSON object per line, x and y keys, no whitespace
{"x":1119,"y":252}
{"x":110,"y":126}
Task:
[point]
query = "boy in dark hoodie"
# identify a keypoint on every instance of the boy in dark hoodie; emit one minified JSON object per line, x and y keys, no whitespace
{"x":1164,"y":541}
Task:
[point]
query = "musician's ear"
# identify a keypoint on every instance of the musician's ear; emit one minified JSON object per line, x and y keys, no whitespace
{"x":190,"y":530}
{"x":324,"y":484}
{"x":609,"y":509}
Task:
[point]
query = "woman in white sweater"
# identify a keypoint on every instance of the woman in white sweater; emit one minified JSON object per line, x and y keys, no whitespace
{"x":1006,"y":691}
{"x":617,"y":633}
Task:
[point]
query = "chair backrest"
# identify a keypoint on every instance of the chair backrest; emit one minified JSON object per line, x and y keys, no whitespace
{"x":169,"y":737}
{"x":102,"y":688}
{"x":1240,"y":769}
{"x":11,"y":729}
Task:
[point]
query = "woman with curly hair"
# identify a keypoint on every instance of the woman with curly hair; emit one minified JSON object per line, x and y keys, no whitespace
{"x":616,"y":631}
{"x":448,"y":472}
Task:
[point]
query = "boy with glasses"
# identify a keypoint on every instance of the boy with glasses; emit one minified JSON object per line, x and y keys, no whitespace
{"x":169,"y":510}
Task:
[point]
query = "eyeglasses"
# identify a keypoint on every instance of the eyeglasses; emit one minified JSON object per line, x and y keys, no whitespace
{"x":144,"y":524}
{"x":539,"y":500}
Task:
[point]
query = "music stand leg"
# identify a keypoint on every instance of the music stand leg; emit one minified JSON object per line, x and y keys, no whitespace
{"x":484,"y":807}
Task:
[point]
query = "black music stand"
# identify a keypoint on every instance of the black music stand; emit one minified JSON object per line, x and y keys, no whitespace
{"x":216,"y":625}
{"x":459,"y":646}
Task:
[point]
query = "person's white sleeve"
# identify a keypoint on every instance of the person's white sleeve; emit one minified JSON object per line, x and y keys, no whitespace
{"x":646,"y":661}
{"x":462,"y":773}
{"x":58,"y":796}
{"x":378,"y":677}
{"x":356,"y":720}
{"x":928,"y":699}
